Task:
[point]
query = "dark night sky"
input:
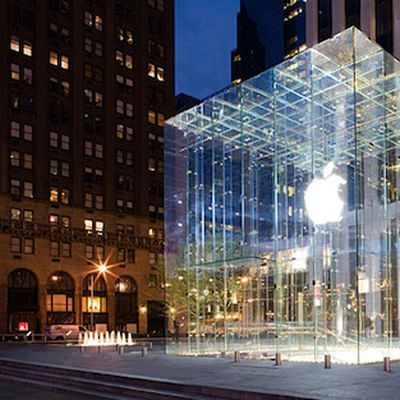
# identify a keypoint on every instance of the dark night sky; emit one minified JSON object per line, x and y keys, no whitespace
{"x":205,"y":32}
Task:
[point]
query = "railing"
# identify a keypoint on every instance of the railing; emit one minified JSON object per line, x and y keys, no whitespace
{"x":58,"y":233}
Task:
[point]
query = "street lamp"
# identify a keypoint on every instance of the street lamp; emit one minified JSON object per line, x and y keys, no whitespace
{"x":101,"y":268}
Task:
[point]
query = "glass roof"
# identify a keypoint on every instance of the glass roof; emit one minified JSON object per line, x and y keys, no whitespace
{"x":345,"y":85}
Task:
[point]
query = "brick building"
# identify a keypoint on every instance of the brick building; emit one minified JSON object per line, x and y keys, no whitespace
{"x":86,"y":86}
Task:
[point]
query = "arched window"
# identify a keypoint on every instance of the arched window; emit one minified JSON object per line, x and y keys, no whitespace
{"x":22,"y":278}
{"x":125,"y":284}
{"x":94,"y":298}
{"x":60,"y":298}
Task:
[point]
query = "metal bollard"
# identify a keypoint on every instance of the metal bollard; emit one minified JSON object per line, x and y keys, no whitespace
{"x":151,"y":346}
{"x":81,"y":349}
{"x":386,"y":364}
{"x":327,"y":361}
{"x":98,"y":349}
{"x":144,"y":351}
{"x":278,"y":359}
{"x":236,"y":356}
{"x":121,"y":350}
{"x":116,"y":347}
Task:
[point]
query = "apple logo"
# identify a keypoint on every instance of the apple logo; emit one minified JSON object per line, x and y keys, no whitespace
{"x":323,"y":203}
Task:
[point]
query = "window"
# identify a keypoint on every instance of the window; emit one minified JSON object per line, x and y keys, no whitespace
{"x":28,"y":189}
{"x":53,"y":58}
{"x":15,"y":158}
{"x":14,"y":129}
{"x":64,"y":62}
{"x":53,"y":139}
{"x":99,"y":227}
{"x":15,"y":214}
{"x":120,"y":106}
{"x":160,"y":74}
{"x":129,"y":82}
{"x":64,"y":142}
{"x":88,"y":18}
{"x":14,"y":43}
{"x":120,"y":203}
{"x":65,"y":169}
{"x":28,"y":132}
{"x":28,"y":76}
{"x":160,"y":119}
{"x":27,"y":48}
{"x":98,"y":23}
{"x":28,"y":246}
{"x":15,"y":187}
{"x":129,"y":134}
{"x":119,"y":57}
{"x":160,"y":49}
{"x":28,"y":215}
{"x":98,"y":49}
{"x":54,"y":167}
{"x":89,"y":252}
{"x":65,"y":88}
{"x":53,"y":194}
{"x":27,"y":160}
{"x":88,"y":96}
{"x":152,"y":258}
{"x":16,"y":245}
{"x":100,"y":252}
{"x":120,"y":131}
{"x":151,"y":117}
{"x":99,"y":202}
{"x":151,"y":70}
{"x":129,"y":158}
{"x":88,"y":45}
{"x":65,"y":196}
{"x":88,"y":148}
{"x":129,"y":37}
{"x":121,"y":255}
{"x":98,"y":99}
{"x":129,"y":110}
{"x":53,"y":219}
{"x":15,"y":72}
{"x":128,"y":61}
{"x":54,"y":249}
{"x":66,"y":249}
{"x":160,"y":5}
{"x":88,"y":200}
{"x":160,"y":166}
{"x":99,"y":150}
{"x":120,"y":156}
{"x":88,"y":223}
{"x":65,"y":221}
{"x":88,"y":71}
{"x":131,"y":255}
{"x":152,"y":232}
{"x":152,"y":165}
{"x":129,"y":205}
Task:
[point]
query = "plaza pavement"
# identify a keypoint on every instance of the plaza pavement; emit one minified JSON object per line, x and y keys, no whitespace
{"x":302,"y":380}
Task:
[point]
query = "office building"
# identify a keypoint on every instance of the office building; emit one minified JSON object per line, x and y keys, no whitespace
{"x":86,"y":87}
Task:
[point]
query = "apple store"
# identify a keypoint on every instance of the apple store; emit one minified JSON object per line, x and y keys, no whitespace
{"x":283,"y":214}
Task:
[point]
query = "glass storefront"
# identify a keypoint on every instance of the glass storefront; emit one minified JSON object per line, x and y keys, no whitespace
{"x":282,"y":210}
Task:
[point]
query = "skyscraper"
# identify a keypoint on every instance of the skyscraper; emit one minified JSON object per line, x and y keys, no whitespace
{"x":271,"y":31}
{"x":86,"y":86}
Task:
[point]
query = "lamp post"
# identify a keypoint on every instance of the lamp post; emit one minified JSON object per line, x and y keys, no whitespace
{"x":101,"y":269}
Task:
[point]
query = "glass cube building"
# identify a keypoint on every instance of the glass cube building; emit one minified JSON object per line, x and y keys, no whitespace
{"x":282,"y":210}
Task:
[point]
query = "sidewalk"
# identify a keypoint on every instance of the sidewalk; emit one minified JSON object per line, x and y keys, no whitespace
{"x":296,"y":379}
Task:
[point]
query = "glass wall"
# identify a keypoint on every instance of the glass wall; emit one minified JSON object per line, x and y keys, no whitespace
{"x":281,"y":210}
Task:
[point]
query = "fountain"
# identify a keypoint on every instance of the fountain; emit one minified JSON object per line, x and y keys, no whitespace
{"x":105,"y":339}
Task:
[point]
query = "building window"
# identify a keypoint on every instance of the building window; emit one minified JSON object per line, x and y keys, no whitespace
{"x":98,"y":49}
{"x":16,"y":245}
{"x":160,"y":74}
{"x":15,"y":129}
{"x":128,"y":61}
{"x":28,"y":189}
{"x":28,"y":246}
{"x":99,"y":202}
{"x":14,"y":43}
{"x":151,"y":117}
{"x":15,"y":214}
{"x":27,"y":160}
{"x":88,"y":200}
{"x":120,"y":106}
{"x":152,"y":232}
{"x":129,"y":158}
{"x":120,"y":131}
{"x":53,"y":219}
{"x":88,"y":223}
{"x":88,"y":45}
{"x":152,"y":165}
{"x":65,"y":169}
{"x":99,"y":150}
{"x":88,"y":18}
{"x":54,"y":167}
{"x":55,"y":249}
{"x":120,"y":156}
{"x":65,"y":221}
{"x":64,"y":62}
{"x":129,"y":134}
{"x":53,"y":139}
{"x":15,"y":72}
{"x":66,"y":249}
{"x":121,"y":255}
{"x":151,"y":70}
{"x":15,"y":159}
{"x":88,"y":148}
{"x":129,"y":110}
{"x":53,"y":58}
{"x":65,"y":196}
{"x":119,"y":57}
{"x":15,"y":187}
{"x":28,"y":132}
{"x":100,"y":252}
{"x":152,"y":258}
{"x":64,"y":142}
{"x":98,"y":23}
{"x":99,"y":227}
{"x":89,"y":252}
{"x":27,"y":49}
{"x":53,"y":194}
{"x":28,"y":76}
{"x":98,"y":99}
{"x":160,"y":119}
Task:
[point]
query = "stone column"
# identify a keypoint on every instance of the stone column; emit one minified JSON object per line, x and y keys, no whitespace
{"x":338,"y":16}
{"x":311,"y":22}
{"x":368,"y":18}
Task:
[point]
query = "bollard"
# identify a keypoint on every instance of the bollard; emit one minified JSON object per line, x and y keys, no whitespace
{"x":278,"y":359}
{"x":151,"y":346}
{"x":121,"y":350}
{"x":98,"y":349}
{"x":236,"y":356}
{"x":386,"y":364}
{"x":144,"y":351}
{"x":81,"y":349}
{"x":116,"y":347}
{"x":327,"y":361}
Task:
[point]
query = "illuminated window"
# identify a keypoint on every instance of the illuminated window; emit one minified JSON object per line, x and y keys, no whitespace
{"x":15,"y":187}
{"x":119,"y":57}
{"x":99,"y":227}
{"x":152,"y":258}
{"x":88,"y":200}
{"x":88,"y":19}
{"x":129,"y":37}
{"x":28,"y":215}
{"x":151,"y":117}
{"x":98,"y":99}
{"x":53,"y":58}
{"x":53,"y":139}
{"x":14,"y":43}
{"x":28,"y":131}
{"x":152,"y":164}
{"x":16,"y":245}
{"x":151,"y":70}
{"x":15,"y":129}
{"x":53,"y":219}
{"x":65,"y":88}
{"x":28,"y":189}
{"x":119,"y":79}
{"x":120,"y":106}
{"x":27,"y":49}
{"x":64,"y":142}
{"x":15,"y":214}
{"x":120,"y":131}
{"x":64,"y":62}
{"x":152,"y":232}
{"x":27,"y":160}
{"x":99,"y":202}
{"x":28,"y":246}
{"x":129,"y":82}
{"x":88,"y":223}
{"x":53,"y":194}
{"x":160,"y":119}
{"x":65,"y":221}
{"x":65,"y":196}
{"x":120,"y":34}
{"x":160,"y":74}
{"x":15,"y":159}
{"x":128,"y":61}
{"x":98,"y":23}
{"x":88,"y":148}
{"x":15,"y":72}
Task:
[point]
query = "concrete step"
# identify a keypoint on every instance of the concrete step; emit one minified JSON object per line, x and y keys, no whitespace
{"x":123,"y":385}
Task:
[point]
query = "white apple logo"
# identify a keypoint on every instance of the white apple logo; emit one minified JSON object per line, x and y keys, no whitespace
{"x":322,"y":199}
